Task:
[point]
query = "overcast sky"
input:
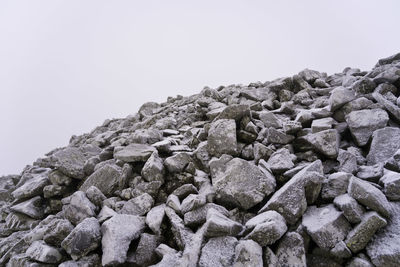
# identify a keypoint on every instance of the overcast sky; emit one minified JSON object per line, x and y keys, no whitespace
{"x":66,"y":66}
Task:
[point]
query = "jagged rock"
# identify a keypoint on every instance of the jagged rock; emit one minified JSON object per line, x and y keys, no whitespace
{"x":322,"y":124}
{"x":79,"y":208}
{"x":234,"y":112}
{"x":177,"y":163}
{"x":17,"y":222}
{"x":335,"y":185}
{"x":269,"y":258}
{"x":198,"y":216}
{"x":135,"y":153}
{"x":369,"y":196}
{"x":222,"y":138}
{"x":347,"y":161}
{"x":92,"y":260}
{"x":266,"y":228}
{"x":362,"y":123}
{"x":70,"y":161}
{"x":248,"y":253}
{"x":41,"y":252}
{"x":359,"y":237}
{"x":291,"y":199}
{"x":281,"y":161}
{"x":242,"y":184}
{"x":155,"y":217}
{"x":185,"y":190}
{"x":350,"y":207}
{"x":85,"y":238}
{"x":290,"y":251}
{"x":153,"y":169}
{"x":385,"y":143}
{"x":339,"y":97}
{"x":95,"y":195}
{"x":32,"y":207}
{"x":182,"y":234}
{"x":145,"y":254}
{"x":118,"y":232}
{"x":218,"y":252}
{"x":391,"y":185}
{"x":106,"y":179}
{"x":370,"y":173}
{"x":219,"y":225}
{"x":270,"y":120}
{"x":359,"y":262}
{"x":326,"y":225}
{"x":32,"y":187}
{"x":138,"y":206}
{"x":325,"y":142}
{"x":56,"y":231}
{"x":105,"y":214}
{"x":341,"y":251}
{"x":191,"y":202}
{"x":278,"y":137}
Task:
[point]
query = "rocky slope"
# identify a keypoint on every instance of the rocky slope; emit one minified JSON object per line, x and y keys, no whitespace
{"x":299,"y":171}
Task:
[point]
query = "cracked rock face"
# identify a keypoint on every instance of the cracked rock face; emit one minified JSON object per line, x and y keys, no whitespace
{"x":298,"y":171}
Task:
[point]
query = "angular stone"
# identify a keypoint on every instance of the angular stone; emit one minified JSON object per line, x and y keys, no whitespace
{"x":79,"y":208}
{"x":385,"y":143}
{"x":322,"y":124}
{"x":154,"y":218}
{"x":270,"y":120}
{"x":41,"y":252}
{"x":182,"y":234}
{"x":335,"y":185}
{"x":359,"y":237}
{"x":17,"y":222}
{"x":135,"y":153}
{"x":191,"y":202}
{"x":32,"y":207}
{"x":56,"y":231}
{"x":275,"y":136}
{"x":326,"y":225}
{"x":139,"y":205}
{"x":178,"y":162}
{"x":219,"y":225}
{"x":391,"y":185}
{"x":95,"y":195}
{"x":370,"y":173}
{"x":234,"y":112}
{"x":362,"y":123}
{"x":32,"y":187}
{"x":269,"y":258}
{"x":153,"y":169}
{"x":222,"y":138}
{"x":359,"y":262}
{"x":290,"y":251}
{"x":118,"y":232}
{"x":347,"y":161}
{"x":106,"y":179}
{"x":88,"y":261}
{"x":199,"y":216}
{"x":350,"y":207}
{"x":339,"y":97}
{"x":185,"y":190}
{"x":105,"y":214}
{"x":291,"y":199}
{"x":390,"y":107}
{"x":267,"y":228}
{"x":340,"y":250}
{"x":369,"y":196}
{"x":248,"y":253}
{"x":145,"y":254}
{"x":70,"y":161}
{"x":145,"y":136}
{"x":83,"y":239}
{"x":281,"y":161}
{"x":50,"y":191}
{"x":243,"y":184}
{"x":218,"y":252}
{"x":325,"y":142}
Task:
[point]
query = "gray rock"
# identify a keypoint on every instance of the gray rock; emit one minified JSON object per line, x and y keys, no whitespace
{"x":22,"y":259}
{"x":153,"y":169}
{"x":326,"y":225}
{"x":369,"y":196}
{"x":335,"y":185}
{"x":218,"y":252}
{"x":266,"y":228}
{"x":58,"y":178}
{"x":347,"y":162}
{"x":370,"y":173}
{"x":234,"y":112}
{"x":281,"y":161}
{"x":291,"y":199}
{"x":32,"y":187}
{"x":41,"y":252}
{"x":135,"y":153}
{"x":359,"y":237}
{"x":17,"y":222}
{"x":32,"y":207}
{"x":341,"y":251}
{"x":145,"y":136}
{"x":359,"y":262}
{"x":50,"y":191}
{"x":139,"y":205}
{"x":118,"y":232}
{"x":95,"y":195}
{"x":219,"y":225}
{"x":385,"y":143}
{"x":391,"y":185}
{"x":248,"y":253}
{"x":92,"y":260}
{"x":242,"y":184}
{"x":290,"y":251}
{"x":193,"y":201}
{"x":105,"y":214}
{"x":325,"y":142}
{"x":106,"y":179}
{"x":350,"y":207}
{"x":291,"y":127}
{"x":145,"y":254}
{"x":390,"y":107}
{"x":198,"y":216}
{"x":10,"y":245}
{"x":269,"y":258}
{"x":182,"y":234}
{"x":322,"y":124}
{"x":278,"y":137}
{"x":364,"y":86}
{"x":185,"y":190}
{"x":270,"y":120}
{"x":340,"y":96}
{"x":70,"y":161}
{"x":78,"y":208}
{"x":222,"y":138}
{"x":154,"y":218}
{"x":384,"y":248}
{"x":362,"y":123}
{"x":178,"y":162}
{"x":56,"y":231}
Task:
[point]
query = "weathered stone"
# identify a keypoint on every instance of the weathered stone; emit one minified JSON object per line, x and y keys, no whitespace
{"x":219,"y":225}
{"x":278,"y":137}
{"x":95,"y":195}
{"x":281,"y":161}
{"x":32,"y":207}
{"x":153,"y":169}
{"x":135,"y":153}
{"x":248,"y":253}
{"x":139,"y":205}
{"x":326,"y":225}
{"x":182,"y":234}
{"x":178,"y":162}
{"x":350,"y":207}
{"x":218,"y":252}
{"x":339,"y":97}
{"x":56,"y":231}
{"x":370,"y":173}
{"x":269,"y":258}
{"x":234,"y":112}
{"x":145,"y":254}
{"x":369,"y":196}
{"x":105,"y":214}
{"x":347,"y":161}
{"x":340,"y":250}
{"x":83,"y":239}
{"x":266,"y":228}
{"x":242,"y":184}
{"x":359,"y":262}
{"x":335,"y":185}
{"x":322,"y":124}
{"x":359,"y":237}
{"x":325,"y":142}
{"x":118,"y":232}
{"x":222,"y":138}
{"x":88,"y":261}
{"x":70,"y":161}
{"x":155,"y":217}
{"x":106,"y":179}
{"x":198,"y":216}
{"x":185,"y":190}
{"x":270,"y":120}
{"x":362,"y":123}
{"x":79,"y":208}
{"x":385,"y":143}
{"x":145,"y":136}
{"x":41,"y":252}
{"x":32,"y":187}
{"x":391,"y":185}
{"x":290,"y":251}
{"x":191,"y":202}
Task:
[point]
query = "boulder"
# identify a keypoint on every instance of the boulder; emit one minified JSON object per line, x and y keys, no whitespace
{"x":248,"y":253}
{"x":56,"y":231}
{"x":32,"y":187}
{"x":153,"y":169}
{"x":178,"y":162}
{"x":281,"y":161}
{"x":139,"y":205}
{"x":385,"y":143}
{"x":95,"y":195}
{"x":219,"y":225}
{"x":154,"y":218}
{"x":335,"y":185}
{"x":391,"y":185}
{"x":145,"y":254}
{"x":33,"y":207}
{"x":222,"y":138}
{"x":78,"y":208}
{"x":350,"y":207}
{"x":41,"y":252}
{"x":106,"y":179}
{"x":135,"y":153}
{"x":325,"y":142}
{"x":218,"y":252}
{"x":70,"y":161}
{"x":340,"y":96}
{"x":290,"y":250}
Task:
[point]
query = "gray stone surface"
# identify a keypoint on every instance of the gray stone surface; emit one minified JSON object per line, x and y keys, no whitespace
{"x":41,"y":252}
{"x":79,"y":208}
{"x":106,"y":179}
{"x":290,"y":250}
{"x":219,"y":225}
{"x":218,"y":252}
{"x":350,"y":207}
{"x":248,"y":253}
{"x":135,"y":153}
{"x":70,"y":161}
{"x":222,"y":138}
{"x":385,"y":143}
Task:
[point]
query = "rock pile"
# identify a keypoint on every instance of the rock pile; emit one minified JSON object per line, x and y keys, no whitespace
{"x":299,"y":171}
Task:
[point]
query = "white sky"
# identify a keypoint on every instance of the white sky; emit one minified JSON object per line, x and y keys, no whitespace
{"x":66,"y":66}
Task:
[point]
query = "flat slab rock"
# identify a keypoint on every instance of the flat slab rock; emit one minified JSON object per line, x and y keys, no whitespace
{"x":135,"y":153}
